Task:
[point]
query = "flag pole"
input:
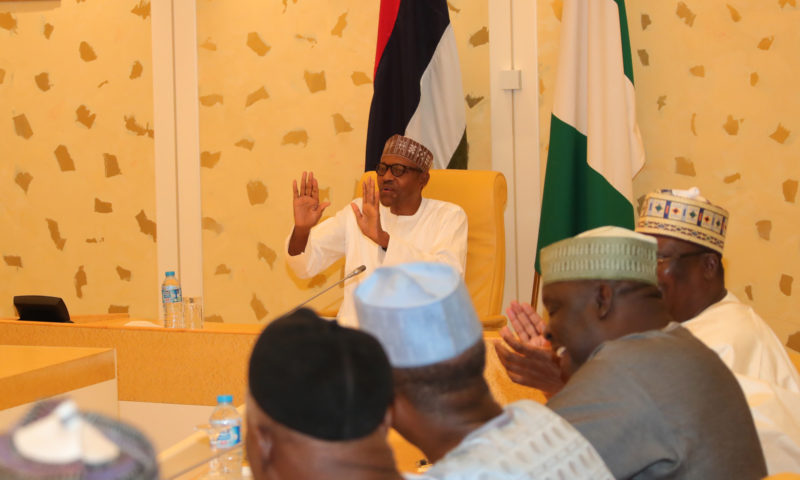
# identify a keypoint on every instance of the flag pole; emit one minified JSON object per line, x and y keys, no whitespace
{"x":535,"y":292}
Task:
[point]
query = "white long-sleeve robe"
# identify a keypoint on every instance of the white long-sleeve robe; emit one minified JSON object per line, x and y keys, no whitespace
{"x":527,"y":440}
{"x":437,"y":232}
{"x":747,"y":345}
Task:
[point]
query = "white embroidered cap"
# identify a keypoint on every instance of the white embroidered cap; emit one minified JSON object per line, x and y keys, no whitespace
{"x":64,"y":437}
{"x":55,"y":440}
{"x":685,"y":215}
{"x":420,"y":312}
{"x":604,"y":253}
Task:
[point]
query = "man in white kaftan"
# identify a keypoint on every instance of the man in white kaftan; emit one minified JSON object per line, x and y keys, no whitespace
{"x":423,"y":317}
{"x":747,"y":345}
{"x":691,"y":279}
{"x":437,"y":232}
{"x":390,"y":225}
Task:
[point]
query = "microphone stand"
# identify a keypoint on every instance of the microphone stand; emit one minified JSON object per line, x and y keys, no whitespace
{"x":360,"y":269}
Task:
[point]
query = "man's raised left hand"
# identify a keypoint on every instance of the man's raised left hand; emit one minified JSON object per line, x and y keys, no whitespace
{"x":369,"y":216}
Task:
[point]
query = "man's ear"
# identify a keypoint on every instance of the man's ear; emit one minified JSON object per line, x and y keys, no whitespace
{"x":423,"y":179}
{"x":402,"y":413}
{"x":603,"y":299}
{"x":396,"y":407}
{"x":711,"y":264}
{"x":264,"y":443}
{"x":386,"y":424}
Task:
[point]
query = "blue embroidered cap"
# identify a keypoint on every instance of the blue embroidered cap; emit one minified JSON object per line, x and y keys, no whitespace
{"x":420,"y":312}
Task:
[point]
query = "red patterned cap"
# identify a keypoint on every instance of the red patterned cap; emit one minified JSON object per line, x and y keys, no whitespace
{"x":409,"y":149}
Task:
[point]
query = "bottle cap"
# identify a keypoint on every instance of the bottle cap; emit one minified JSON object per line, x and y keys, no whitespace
{"x":170,"y":274}
{"x":224,"y":398}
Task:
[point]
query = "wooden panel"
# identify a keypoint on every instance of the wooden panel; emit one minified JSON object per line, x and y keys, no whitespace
{"x":156,"y":364}
{"x":193,"y":366}
{"x":29,"y":373}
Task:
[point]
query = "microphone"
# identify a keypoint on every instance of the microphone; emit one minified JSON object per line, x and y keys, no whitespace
{"x":350,"y":275}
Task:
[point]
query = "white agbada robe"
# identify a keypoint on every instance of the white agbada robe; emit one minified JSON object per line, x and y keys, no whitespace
{"x":759,"y":361}
{"x":437,"y":232}
{"x":528,"y":440}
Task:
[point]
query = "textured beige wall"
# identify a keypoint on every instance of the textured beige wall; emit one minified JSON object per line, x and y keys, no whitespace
{"x":718,"y":107}
{"x":285,"y":86}
{"x":76,"y":155}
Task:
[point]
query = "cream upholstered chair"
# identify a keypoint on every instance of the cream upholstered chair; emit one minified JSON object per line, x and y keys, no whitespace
{"x":482,"y":195}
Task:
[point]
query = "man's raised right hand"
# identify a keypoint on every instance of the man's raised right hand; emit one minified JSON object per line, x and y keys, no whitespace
{"x":307,"y":209}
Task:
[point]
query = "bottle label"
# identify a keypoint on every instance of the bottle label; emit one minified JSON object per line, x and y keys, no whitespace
{"x":230,"y":437}
{"x":171,"y":295}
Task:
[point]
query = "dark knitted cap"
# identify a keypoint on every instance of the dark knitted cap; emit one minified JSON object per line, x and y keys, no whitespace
{"x":319,"y":378}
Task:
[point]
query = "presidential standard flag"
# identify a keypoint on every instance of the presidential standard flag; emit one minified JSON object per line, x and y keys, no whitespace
{"x":417,"y":87}
{"x":595,"y":145}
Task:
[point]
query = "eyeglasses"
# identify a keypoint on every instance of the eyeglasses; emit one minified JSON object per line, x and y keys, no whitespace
{"x":398,"y":169}
{"x":663,"y":260}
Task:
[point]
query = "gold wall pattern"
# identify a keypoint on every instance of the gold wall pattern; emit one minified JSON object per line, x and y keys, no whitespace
{"x":77,"y":201}
{"x":718,"y":108}
{"x":285,"y":86}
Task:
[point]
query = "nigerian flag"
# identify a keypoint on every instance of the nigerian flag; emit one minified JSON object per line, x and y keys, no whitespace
{"x":595,"y":145}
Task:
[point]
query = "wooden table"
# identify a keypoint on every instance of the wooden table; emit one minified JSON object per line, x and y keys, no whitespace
{"x":28,"y":373}
{"x":156,"y":364}
{"x":31,"y":373}
{"x":182,"y":366}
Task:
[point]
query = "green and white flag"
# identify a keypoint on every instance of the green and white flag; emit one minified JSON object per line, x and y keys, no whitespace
{"x":595,"y":145}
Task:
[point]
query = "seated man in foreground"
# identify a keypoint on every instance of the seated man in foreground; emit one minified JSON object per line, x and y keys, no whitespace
{"x":424,"y":318}
{"x":318,"y":403}
{"x":691,"y":279}
{"x":653,"y":400}
{"x":389,"y":225}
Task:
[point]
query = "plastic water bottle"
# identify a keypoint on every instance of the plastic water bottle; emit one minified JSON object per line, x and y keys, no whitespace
{"x":172,"y":300}
{"x":226,"y":422}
